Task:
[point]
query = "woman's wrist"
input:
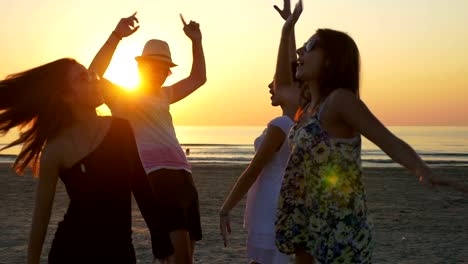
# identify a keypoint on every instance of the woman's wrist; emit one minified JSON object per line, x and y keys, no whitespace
{"x":113,"y":40}
{"x":116,"y":35}
{"x":223,"y":213}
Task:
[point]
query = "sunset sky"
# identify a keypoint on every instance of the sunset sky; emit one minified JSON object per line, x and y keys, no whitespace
{"x":414,"y":53}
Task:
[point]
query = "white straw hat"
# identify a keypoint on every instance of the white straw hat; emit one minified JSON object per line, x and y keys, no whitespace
{"x":158,"y":50}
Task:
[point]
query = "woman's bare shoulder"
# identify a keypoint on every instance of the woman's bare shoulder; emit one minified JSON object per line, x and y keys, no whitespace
{"x":53,"y":151}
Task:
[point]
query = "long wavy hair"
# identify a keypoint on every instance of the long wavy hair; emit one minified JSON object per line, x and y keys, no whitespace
{"x":341,"y":68}
{"x":33,"y":102}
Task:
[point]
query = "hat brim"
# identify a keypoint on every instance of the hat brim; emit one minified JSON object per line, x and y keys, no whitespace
{"x":158,"y":59}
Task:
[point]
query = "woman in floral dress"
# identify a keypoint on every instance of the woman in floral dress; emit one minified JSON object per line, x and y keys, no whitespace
{"x":322,"y":215}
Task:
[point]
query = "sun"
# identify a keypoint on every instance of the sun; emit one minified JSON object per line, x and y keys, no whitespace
{"x":123,"y":70}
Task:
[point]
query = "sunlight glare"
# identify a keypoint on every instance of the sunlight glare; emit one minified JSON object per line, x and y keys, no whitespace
{"x":123,"y":69}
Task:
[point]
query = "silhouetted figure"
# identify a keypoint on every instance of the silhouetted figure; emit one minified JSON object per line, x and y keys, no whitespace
{"x":147,"y":109}
{"x":261,"y":181}
{"x":96,"y":158}
{"x":322,"y":215}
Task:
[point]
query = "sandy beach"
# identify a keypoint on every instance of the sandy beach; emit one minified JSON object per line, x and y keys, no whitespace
{"x":413,"y":224}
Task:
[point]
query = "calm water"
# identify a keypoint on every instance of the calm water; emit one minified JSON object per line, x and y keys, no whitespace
{"x":437,"y":145}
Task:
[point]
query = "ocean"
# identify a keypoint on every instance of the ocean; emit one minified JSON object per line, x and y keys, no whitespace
{"x":438,"y":146}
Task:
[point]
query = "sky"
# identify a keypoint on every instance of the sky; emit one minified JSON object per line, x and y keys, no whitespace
{"x":414,"y":53}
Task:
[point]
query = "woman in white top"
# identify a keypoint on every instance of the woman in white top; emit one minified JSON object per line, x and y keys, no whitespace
{"x":262,"y":178}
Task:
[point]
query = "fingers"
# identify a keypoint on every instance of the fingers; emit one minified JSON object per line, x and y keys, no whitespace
{"x":278,"y":9}
{"x":224,"y":235}
{"x":183,"y":20}
{"x":298,"y":8}
{"x":133,"y":17}
{"x":447,"y":182}
{"x":135,"y":29}
{"x":225,"y":228}
{"x":129,"y":21}
{"x":192,"y":28}
{"x":190,"y":25}
{"x":194,"y":24}
{"x":225,"y":240}
{"x":297,"y":11}
{"x":223,"y":232}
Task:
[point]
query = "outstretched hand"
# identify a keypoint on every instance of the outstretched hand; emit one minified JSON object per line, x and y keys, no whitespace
{"x":192,"y":29}
{"x":225,"y":228}
{"x":294,"y":17}
{"x":436,"y":180}
{"x":286,"y":12}
{"x":127,"y":26}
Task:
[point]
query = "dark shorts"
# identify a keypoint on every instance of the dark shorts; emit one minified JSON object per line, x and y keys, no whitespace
{"x":177,"y":200}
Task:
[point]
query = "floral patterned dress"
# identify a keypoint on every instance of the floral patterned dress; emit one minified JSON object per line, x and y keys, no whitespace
{"x":322,"y":205}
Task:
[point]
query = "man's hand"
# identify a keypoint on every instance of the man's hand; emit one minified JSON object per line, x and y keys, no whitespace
{"x":192,"y":29}
{"x":127,"y":26}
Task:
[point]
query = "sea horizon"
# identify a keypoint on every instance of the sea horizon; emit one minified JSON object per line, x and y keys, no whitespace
{"x":437,"y":145}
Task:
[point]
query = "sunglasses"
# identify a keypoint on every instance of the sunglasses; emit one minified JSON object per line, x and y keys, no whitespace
{"x":310,"y":45}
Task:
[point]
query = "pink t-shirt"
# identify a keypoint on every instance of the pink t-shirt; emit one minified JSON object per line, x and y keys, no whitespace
{"x":154,"y":133}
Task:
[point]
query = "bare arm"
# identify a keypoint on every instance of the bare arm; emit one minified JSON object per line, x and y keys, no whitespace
{"x":104,"y":56}
{"x":124,"y":28}
{"x":115,"y":97}
{"x":45,"y":192}
{"x":101,"y":61}
{"x":292,"y":47}
{"x":285,"y":13}
{"x":273,"y":140}
{"x":356,"y":114}
{"x":197,"y":76}
{"x":283,"y":76}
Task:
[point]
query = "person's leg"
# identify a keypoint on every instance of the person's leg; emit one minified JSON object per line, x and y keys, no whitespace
{"x":192,"y":242}
{"x":193,"y":216}
{"x":303,"y":257}
{"x":178,"y":199}
{"x":182,"y":247}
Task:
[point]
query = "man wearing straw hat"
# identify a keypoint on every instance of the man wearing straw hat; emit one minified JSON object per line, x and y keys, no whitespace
{"x":163,"y":159}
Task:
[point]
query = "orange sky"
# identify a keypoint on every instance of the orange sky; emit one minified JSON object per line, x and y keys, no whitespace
{"x":414,"y":56}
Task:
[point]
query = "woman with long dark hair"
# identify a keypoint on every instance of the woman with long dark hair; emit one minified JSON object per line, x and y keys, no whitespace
{"x":322,"y":214}
{"x":95,"y":157}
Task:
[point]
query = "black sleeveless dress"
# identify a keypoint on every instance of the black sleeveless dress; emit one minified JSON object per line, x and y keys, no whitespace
{"x":97,"y":227}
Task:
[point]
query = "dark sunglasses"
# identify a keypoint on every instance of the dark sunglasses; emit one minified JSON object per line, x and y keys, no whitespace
{"x":310,"y":45}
